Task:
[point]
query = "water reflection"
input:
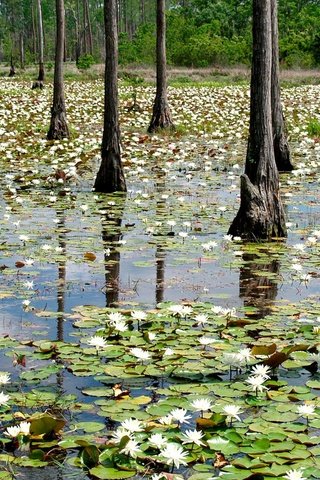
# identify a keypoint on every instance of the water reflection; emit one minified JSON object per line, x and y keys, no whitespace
{"x":160,"y":252}
{"x":111,"y":235}
{"x":258,"y":283}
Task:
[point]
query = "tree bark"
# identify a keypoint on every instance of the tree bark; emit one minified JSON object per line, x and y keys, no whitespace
{"x":281,"y":146}
{"x":22,"y":56}
{"x":12,"y":71}
{"x":261,"y":214}
{"x":40,"y":78}
{"x":88,"y":27}
{"x":58,"y":126}
{"x":161,"y":117}
{"x":110,"y":177}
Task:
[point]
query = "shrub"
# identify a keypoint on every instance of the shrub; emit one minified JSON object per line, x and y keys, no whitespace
{"x":85,"y":62}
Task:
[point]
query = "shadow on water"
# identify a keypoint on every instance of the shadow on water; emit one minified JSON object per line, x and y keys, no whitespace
{"x":258,"y":285}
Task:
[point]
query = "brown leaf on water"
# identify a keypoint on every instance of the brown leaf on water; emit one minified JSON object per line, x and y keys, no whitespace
{"x":220,"y":461}
{"x":276,"y":359}
{"x":89,"y":257}
{"x":118,"y":392}
{"x":19,"y":264}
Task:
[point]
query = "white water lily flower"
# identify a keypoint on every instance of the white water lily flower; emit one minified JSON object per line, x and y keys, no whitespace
{"x":192,"y":436}
{"x":201,"y":404}
{"x":306,"y":410}
{"x":180,"y":414}
{"x":119,"y":325}
{"x":201,"y":319}
{"x":167,"y":420}
{"x":174,"y":454}
{"x":29,"y":285}
{"x":12,"y":432}
{"x":25,"y":428}
{"x":98,"y":342}
{"x":262,"y":370}
{"x":206,"y":340}
{"x":168,"y":351}
{"x":140,"y":353}
{"x":29,"y":262}
{"x":176,"y":309}
{"x":294,"y":475}
{"x":120,"y":433}
{"x":256,"y":382}
{"x":186,"y":310}
{"x":232,"y":411}
{"x":157,"y":440}
{"x":115,"y":316}
{"x":4,"y":378}
{"x":132,"y":425}
{"x":4,"y":398}
{"x":131,"y":448}
{"x":138,"y":315}
{"x":244,"y":355}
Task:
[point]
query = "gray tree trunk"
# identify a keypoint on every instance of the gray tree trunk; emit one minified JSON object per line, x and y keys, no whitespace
{"x":110,"y":177}
{"x":161,"y":117}
{"x":40,"y":79}
{"x":261,"y":214}
{"x":281,"y":146}
{"x":58,"y":126}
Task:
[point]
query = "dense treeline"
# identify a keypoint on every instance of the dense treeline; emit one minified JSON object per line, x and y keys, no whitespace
{"x":199,"y":32}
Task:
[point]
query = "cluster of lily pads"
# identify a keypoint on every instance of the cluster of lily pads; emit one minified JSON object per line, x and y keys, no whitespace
{"x":204,"y":363}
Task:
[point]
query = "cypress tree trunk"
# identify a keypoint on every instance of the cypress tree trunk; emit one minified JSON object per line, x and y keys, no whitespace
{"x":281,"y":147}
{"x":39,"y":82}
{"x":12,"y":71}
{"x":261,"y":215}
{"x":110,"y":177}
{"x":161,"y":117}
{"x":58,"y":126}
{"x":22,"y":56}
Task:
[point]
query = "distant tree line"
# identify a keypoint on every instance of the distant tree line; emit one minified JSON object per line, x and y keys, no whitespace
{"x":200,"y":33}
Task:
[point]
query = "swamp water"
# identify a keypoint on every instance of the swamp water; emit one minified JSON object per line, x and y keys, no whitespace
{"x":71,"y":259}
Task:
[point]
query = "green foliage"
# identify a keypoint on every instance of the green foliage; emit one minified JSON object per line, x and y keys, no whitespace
{"x":85,"y":62}
{"x":313,"y":127}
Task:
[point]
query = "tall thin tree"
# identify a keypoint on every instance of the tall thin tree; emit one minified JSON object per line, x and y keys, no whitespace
{"x":39,"y":82}
{"x":281,"y":146}
{"x":58,"y":125}
{"x":161,"y":117}
{"x":110,"y":177}
{"x":261,"y":214}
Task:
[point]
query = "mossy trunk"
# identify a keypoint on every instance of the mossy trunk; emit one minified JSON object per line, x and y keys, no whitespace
{"x":110,"y":177}
{"x":161,"y":116}
{"x":261,"y":214}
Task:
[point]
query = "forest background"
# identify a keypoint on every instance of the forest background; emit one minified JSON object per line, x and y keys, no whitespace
{"x":200,"y":33}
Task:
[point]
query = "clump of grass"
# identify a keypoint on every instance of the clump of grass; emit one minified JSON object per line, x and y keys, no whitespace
{"x":313,"y":127}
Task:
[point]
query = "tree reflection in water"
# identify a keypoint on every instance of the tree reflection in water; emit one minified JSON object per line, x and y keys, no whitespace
{"x":258,"y":284}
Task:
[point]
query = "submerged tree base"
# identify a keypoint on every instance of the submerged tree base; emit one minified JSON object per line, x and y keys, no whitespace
{"x":58,"y":126}
{"x":161,"y":118}
{"x":110,"y":177}
{"x":260,"y":216}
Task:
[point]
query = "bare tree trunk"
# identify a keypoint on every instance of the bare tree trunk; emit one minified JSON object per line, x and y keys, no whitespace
{"x":110,"y":177}
{"x":40,"y":79}
{"x":261,"y":215}
{"x":88,"y":25}
{"x":34,"y":33}
{"x":161,"y":117}
{"x":58,"y":126}
{"x":78,"y":36}
{"x":22,"y":59}
{"x":281,"y":146}
{"x":12,"y":71}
